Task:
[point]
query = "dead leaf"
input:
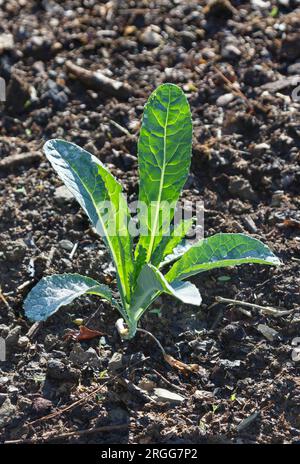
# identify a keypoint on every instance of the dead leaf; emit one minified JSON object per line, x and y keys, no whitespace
{"x":84,"y":333}
{"x":181,"y":366}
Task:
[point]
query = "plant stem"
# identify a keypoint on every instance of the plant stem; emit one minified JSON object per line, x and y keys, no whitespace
{"x":154,"y":338}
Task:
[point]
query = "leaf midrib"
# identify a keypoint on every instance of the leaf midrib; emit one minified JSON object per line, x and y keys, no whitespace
{"x":123,"y":288}
{"x":162,"y":177}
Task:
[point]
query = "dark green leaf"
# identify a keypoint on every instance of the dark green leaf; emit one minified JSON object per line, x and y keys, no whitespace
{"x":151,"y":283}
{"x":164,"y":153}
{"x":221,"y":250}
{"x":59,"y":290}
{"x":93,"y":186}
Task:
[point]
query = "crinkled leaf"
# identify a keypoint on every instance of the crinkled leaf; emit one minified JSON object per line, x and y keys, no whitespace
{"x":151,"y":283}
{"x":92,"y":185}
{"x":164,"y":154}
{"x":221,"y":250}
{"x":58,"y":290}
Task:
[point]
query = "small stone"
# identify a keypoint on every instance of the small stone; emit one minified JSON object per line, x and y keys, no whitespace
{"x":200,"y":395}
{"x":23,"y":342}
{"x":6,"y":42}
{"x":230,"y":365}
{"x":223,"y":100}
{"x":7,"y":413}
{"x":260,"y":4}
{"x":151,"y":37}
{"x":57,"y":370}
{"x":4,"y":381}
{"x":261,"y":147}
{"x":269,"y":333}
{"x":240,"y":187}
{"x":116,"y":362}
{"x":63,"y":196}
{"x":66,"y":245}
{"x":79,"y":357}
{"x":167,"y":396}
{"x":230,"y":52}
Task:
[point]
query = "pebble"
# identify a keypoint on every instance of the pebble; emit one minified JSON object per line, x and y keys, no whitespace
{"x":261,"y":147}
{"x":63,"y":196}
{"x":223,"y":100}
{"x":269,"y":333}
{"x":260,"y":4}
{"x":6,"y":42}
{"x":116,"y":362}
{"x":167,"y":396}
{"x":202,"y":395}
{"x":23,"y":342}
{"x":151,"y":37}
{"x":79,"y":357}
{"x":230,"y":52}
{"x":66,"y":245}
{"x":7,"y":413}
{"x":241,"y":188}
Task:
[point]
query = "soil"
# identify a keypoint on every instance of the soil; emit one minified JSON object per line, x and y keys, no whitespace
{"x":236,"y":62}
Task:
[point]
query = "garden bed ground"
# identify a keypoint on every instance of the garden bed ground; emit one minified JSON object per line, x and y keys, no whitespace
{"x":235,"y":62}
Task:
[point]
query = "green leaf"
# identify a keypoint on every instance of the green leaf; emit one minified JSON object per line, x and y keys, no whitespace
{"x":221,"y":250}
{"x":164,"y":155}
{"x":94,"y":186}
{"x":169,"y":242}
{"x":178,"y":251}
{"x":58,"y":290}
{"x":151,"y":283}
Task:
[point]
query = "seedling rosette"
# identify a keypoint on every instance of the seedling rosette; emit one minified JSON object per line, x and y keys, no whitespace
{"x":164,"y":156}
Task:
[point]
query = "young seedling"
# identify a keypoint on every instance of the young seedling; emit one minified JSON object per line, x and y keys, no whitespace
{"x":164,"y":155}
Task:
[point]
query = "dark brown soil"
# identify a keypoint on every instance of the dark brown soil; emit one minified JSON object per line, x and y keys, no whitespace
{"x":246,"y":170}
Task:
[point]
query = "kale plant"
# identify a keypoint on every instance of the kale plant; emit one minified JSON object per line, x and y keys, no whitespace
{"x":164,"y":156}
